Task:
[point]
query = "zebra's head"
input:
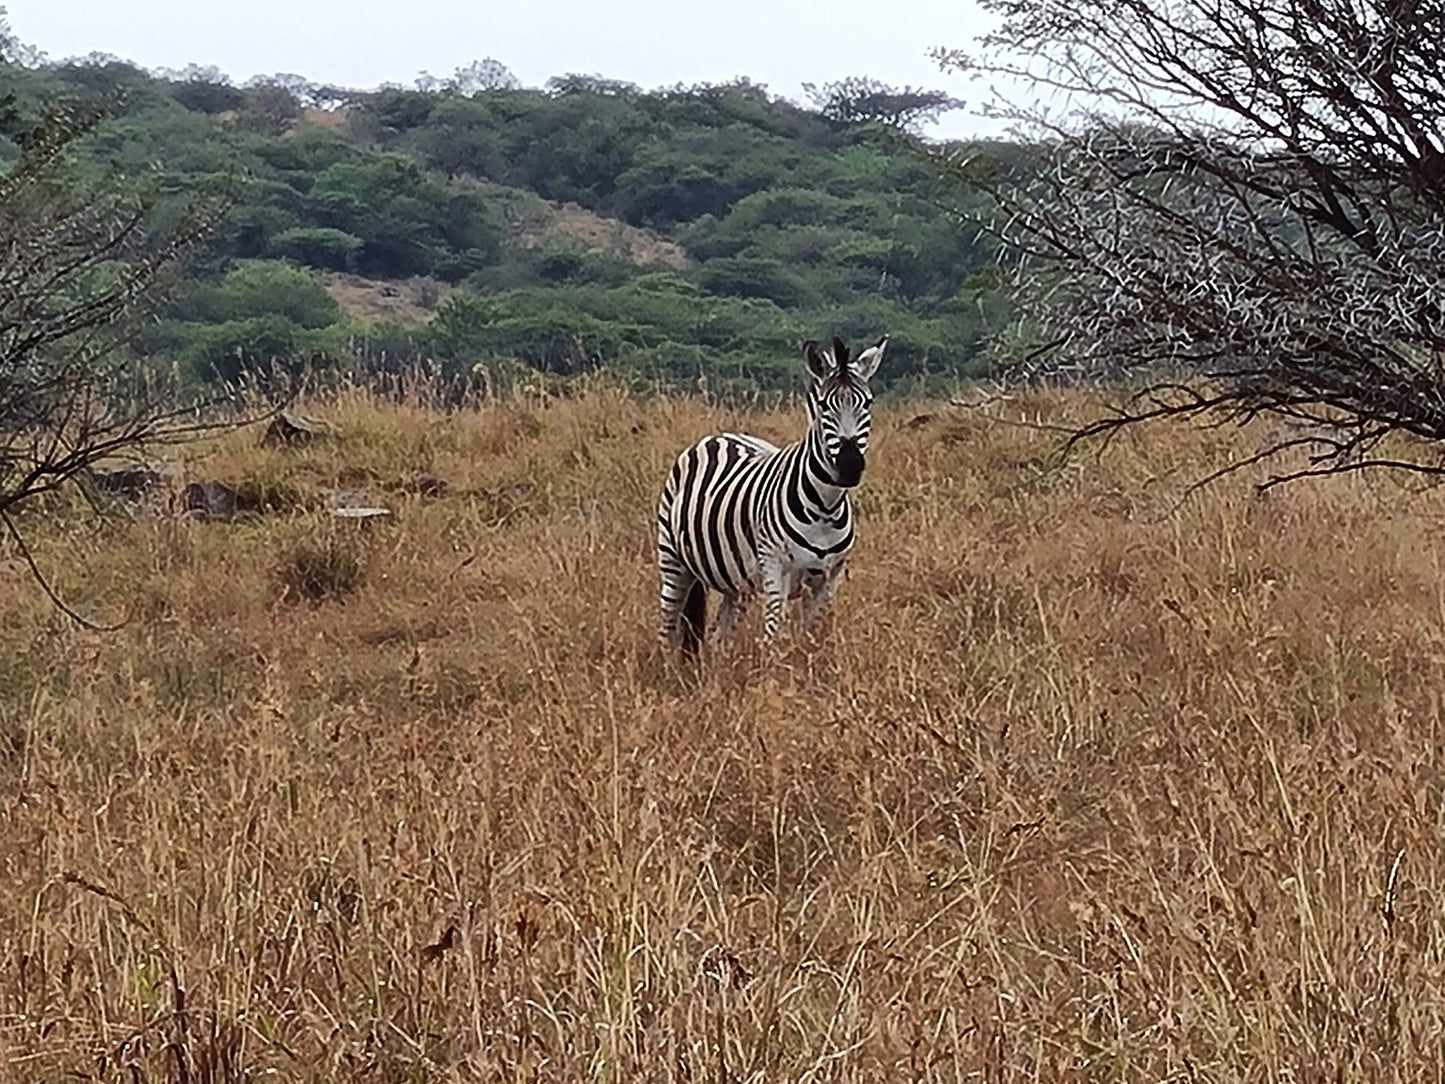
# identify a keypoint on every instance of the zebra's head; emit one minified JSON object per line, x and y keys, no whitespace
{"x":838,"y":404}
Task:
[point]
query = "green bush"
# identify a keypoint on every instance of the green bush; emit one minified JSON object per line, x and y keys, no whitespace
{"x":408,"y":223}
{"x":257,"y":347}
{"x":751,"y":276}
{"x":319,"y":246}
{"x":262,"y":288}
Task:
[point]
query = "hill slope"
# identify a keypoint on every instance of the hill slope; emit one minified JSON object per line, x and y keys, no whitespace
{"x":589,"y":224}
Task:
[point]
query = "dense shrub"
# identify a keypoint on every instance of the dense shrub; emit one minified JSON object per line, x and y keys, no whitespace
{"x":319,"y":246}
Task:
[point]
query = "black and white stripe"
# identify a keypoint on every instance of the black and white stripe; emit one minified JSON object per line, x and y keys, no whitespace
{"x":739,"y":515}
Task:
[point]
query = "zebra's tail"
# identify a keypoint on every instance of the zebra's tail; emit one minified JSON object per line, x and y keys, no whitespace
{"x":694,"y":618}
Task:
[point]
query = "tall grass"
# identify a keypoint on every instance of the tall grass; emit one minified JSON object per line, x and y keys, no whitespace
{"x":1078,"y":785}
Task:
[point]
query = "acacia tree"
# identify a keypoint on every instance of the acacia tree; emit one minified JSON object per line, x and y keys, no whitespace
{"x":1240,"y":203}
{"x":861,"y":100}
{"x":82,"y":265}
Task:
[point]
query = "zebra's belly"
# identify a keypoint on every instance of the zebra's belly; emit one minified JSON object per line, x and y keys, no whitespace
{"x":745,"y":575}
{"x":715,"y":556}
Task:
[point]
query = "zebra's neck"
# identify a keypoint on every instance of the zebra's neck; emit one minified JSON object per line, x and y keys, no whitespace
{"x":818,"y":479}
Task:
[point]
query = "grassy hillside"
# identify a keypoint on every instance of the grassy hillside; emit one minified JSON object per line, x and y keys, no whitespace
{"x":1074,"y":788}
{"x":661,"y":235}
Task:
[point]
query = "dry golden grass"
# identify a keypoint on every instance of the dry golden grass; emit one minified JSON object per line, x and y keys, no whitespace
{"x":368,"y":300}
{"x":532,"y":221}
{"x":598,"y":233}
{"x":1076,"y":788}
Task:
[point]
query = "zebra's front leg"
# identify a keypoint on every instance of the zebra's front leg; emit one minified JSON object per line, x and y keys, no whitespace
{"x":820,"y":598}
{"x":775,"y":595}
{"x":732,"y":608}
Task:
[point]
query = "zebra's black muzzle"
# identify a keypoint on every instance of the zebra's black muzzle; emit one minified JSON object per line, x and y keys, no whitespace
{"x":849,"y":465}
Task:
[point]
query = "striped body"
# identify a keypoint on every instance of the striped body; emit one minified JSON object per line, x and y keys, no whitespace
{"x":740,"y":516}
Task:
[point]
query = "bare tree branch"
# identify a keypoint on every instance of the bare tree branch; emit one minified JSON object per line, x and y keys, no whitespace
{"x":1241,"y":203}
{"x":82,"y":265}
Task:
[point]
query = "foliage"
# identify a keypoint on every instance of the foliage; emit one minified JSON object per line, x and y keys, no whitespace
{"x":861,"y":100}
{"x":753,"y":276}
{"x":259,"y":287}
{"x":778,"y":221}
{"x":319,"y":246}
{"x":476,"y":77}
{"x":205,"y":90}
{"x":261,"y":315}
{"x":408,"y":223}
{"x":268,"y":108}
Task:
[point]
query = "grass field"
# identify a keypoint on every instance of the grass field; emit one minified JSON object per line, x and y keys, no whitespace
{"x":1081,"y":784}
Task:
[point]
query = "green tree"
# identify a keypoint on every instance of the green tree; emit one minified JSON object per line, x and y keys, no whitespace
{"x":408,"y":223}
{"x":268,"y":108}
{"x":320,"y":246}
{"x":861,"y":100}
{"x":750,"y":276}
{"x":262,"y":288}
{"x":205,"y":90}
{"x":261,"y":317}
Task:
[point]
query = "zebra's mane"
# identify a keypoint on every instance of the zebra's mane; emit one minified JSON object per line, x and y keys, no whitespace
{"x":844,"y":375}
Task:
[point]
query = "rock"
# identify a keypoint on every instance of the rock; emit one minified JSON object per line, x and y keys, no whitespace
{"x":211,"y":501}
{"x":361,"y":515}
{"x":428,"y":485}
{"x":291,"y":429}
{"x":355,"y":505}
{"x":338,"y":499}
{"x":131,"y":482}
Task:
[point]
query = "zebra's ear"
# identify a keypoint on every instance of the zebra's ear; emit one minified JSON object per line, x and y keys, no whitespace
{"x":818,"y":364}
{"x":866,"y":363}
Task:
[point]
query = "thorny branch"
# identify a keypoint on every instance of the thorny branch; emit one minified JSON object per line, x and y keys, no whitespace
{"x":82,"y":265}
{"x":1240,"y":207}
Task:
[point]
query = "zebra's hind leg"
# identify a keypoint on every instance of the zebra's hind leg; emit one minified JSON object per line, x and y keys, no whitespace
{"x":775,"y":596}
{"x":682,"y":605}
{"x":694,"y":618}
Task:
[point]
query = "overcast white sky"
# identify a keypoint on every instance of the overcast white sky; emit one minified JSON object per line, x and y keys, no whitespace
{"x":361,"y":43}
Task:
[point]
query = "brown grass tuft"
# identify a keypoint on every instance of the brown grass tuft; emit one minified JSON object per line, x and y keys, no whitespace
{"x":323,"y":567}
{"x":1079,"y":786}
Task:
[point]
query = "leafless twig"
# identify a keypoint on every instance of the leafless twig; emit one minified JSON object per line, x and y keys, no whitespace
{"x":1241,"y":205}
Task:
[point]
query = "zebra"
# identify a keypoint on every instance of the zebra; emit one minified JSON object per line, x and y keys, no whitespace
{"x":738,"y":514}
